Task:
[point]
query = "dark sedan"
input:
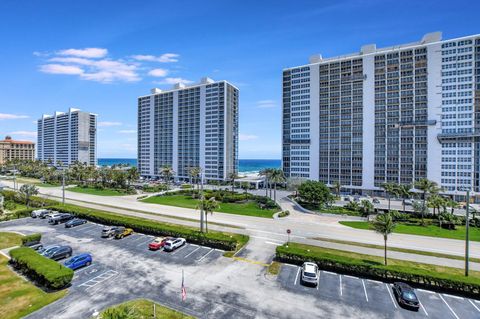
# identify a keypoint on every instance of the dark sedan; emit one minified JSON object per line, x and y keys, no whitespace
{"x":59,"y":252}
{"x":75,"y":222}
{"x":406,"y":296}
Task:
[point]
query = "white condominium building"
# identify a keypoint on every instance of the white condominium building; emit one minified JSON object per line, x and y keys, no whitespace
{"x":189,"y":126}
{"x":395,"y":114}
{"x":68,"y":137}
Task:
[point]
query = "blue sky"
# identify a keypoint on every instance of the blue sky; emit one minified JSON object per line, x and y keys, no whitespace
{"x":46,"y":65}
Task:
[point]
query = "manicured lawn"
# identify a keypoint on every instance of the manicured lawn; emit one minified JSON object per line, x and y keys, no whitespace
{"x":429,"y":230}
{"x":10,"y":240}
{"x":95,"y":191}
{"x":143,"y":309}
{"x":47,"y":185}
{"x":18,"y":297}
{"x":249,"y":208}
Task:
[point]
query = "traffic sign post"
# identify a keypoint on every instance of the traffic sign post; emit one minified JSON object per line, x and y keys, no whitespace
{"x":288,"y":234}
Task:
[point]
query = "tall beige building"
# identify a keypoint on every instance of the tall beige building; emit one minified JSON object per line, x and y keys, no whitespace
{"x":11,"y":149}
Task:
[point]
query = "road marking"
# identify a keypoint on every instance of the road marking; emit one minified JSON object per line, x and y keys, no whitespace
{"x":365,"y":289}
{"x":391,"y":296}
{"x":79,"y":271}
{"x":454,"y":314}
{"x":290,"y":265}
{"x":178,"y":249}
{"x":374,"y":281}
{"x":329,"y":272}
{"x":474,"y":305}
{"x":254,"y":262}
{"x":192,"y":252}
{"x":318,"y":282}
{"x":296,"y":277}
{"x":88,"y":227}
{"x":350,"y":277}
{"x":195,"y":245}
{"x":98,"y":279}
{"x":206,"y":255}
{"x":427,"y":291}
{"x":341,"y":291}
{"x":276,"y":244}
{"x":451,"y":296}
{"x":144,"y":242}
{"x":421,"y":306}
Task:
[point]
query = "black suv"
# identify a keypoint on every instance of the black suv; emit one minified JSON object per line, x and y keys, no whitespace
{"x":62,"y":218}
{"x":60,"y":252}
{"x":405,"y":295}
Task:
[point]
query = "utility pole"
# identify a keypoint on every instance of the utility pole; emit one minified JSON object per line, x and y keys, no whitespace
{"x":467,"y":240}
{"x":14,"y":177}
{"x":63,"y":186}
{"x":202,"y":199}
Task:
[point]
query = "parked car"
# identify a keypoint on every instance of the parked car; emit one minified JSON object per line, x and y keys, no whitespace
{"x":47,"y":249}
{"x":79,"y":261}
{"x":376,"y":200}
{"x":75,"y":222}
{"x":405,"y":295}
{"x":310,"y":275}
{"x":60,"y":218}
{"x":172,"y":244}
{"x":58,"y":253}
{"x":159,"y":242}
{"x":121,"y":232}
{"x":408,"y":202}
{"x":108,"y":231}
{"x":39,"y":213}
{"x":35,"y":245}
{"x":51,"y":214}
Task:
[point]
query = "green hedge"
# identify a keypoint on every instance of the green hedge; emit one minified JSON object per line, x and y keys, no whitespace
{"x":214,"y":239}
{"x":21,"y":213}
{"x":35,"y":201}
{"x":33,"y":238}
{"x":454,"y":283}
{"x":45,"y":272}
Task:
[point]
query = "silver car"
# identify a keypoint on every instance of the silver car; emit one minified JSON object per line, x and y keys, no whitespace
{"x":310,"y":274}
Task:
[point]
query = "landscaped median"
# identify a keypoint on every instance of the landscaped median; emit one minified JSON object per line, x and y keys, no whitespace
{"x":44,"y":271}
{"x":417,"y":274}
{"x":214,"y":239}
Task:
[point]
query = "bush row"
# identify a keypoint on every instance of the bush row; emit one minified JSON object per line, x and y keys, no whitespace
{"x":469,"y":286}
{"x":33,"y":238}
{"x":45,"y":272}
{"x":21,"y":213}
{"x":35,"y":201}
{"x":212,"y":239}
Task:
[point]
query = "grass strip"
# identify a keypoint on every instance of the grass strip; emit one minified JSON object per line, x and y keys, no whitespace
{"x":142,"y":308}
{"x":96,"y":191}
{"x":8,"y":240}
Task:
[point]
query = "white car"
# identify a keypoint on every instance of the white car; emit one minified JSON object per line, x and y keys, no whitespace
{"x":39,"y":213}
{"x":173,"y":244}
{"x":310,"y":274}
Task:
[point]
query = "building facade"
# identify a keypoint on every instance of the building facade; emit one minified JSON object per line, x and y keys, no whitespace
{"x":189,"y":126}
{"x":394,"y":114}
{"x":68,"y":137}
{"x":11,"y":149}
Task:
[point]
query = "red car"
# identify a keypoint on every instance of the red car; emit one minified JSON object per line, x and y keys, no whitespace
{"x":158,"y":243}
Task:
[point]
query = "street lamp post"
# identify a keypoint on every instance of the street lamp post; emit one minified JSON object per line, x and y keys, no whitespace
{"x":63,"y":186}
{"x":202,"y":198}
{"x":467,"y":240}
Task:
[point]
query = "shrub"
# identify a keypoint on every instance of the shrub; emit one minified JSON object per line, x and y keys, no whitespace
{"x":42,"y":270}
{"x":284,"y":213}
{"x":315,"y":193}
{"x":33,"y":238}
{"x":348,"y":265}
{"x":35,"y":201}
{"x":225,"y":241}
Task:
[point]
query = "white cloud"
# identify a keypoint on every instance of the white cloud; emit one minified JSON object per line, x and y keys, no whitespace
{"x":247,"y":137}
{"x":158,"y":72}
{"x":105,"y":124}
{"x":85,"y":53}
{"x":164,"y":58}
{"x":174,"y":81}
{"x":4,"y":116}
{"x":61,"y":69}
{"x":266,"y":104}
{"x":127,"y":131}
{"x":24,"y":133}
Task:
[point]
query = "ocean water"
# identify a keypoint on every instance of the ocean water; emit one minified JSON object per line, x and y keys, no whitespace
{"x":246,"y":166}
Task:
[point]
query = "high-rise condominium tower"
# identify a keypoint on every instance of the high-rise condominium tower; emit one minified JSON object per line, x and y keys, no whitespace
{"x":189,"y":126}
{"x":394,"y":114}
{"x":68,"y":137}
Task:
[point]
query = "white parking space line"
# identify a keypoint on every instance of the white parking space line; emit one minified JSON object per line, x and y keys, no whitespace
{"x":453,"y":312}
{"x":87,"y":227}
{"x":391,"y":296}
{"x":341,"y":290}
{"x":178,"y":249}
{"x":427,"y":291}
{"x":192,"y":252}
{"x":352,"y":277}
{"x":474,"y":305}
{"x":194,"y":245}
{"x":144,"y":242}
{"x":98,"y":279}
{"x":365,"y":289}
{"x":318,"y":282}
{"x":423,"y":308}
{"x":80,"y":270}
{"x":205,"y":255}
{"x":451,"y":296}
{"x":296,"y":277}
{"x":270,"y":243}
{"x":329,"y":272}
{"x":374,"y":281}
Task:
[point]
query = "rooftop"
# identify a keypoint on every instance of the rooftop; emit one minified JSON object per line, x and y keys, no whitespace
{"x":181,"y":86}
{"x":8,"y":139}
{"x":70,"y":110}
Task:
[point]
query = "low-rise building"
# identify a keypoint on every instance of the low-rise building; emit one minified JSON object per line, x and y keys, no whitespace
{"x":11,"y":149}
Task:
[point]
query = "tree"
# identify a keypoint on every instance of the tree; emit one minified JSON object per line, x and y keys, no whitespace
{"x":121,"y":312}
{"x":132,"y":174}
{"x":427,"y":187}
{"x":167,"y":173}
{"x":435,"y":202}
{"x":245,"y":186}
{"x":315,"y":193}
{"x":277,"y":177}
{"x":367,"y":207}
{"x":403,"y":190}
{"x":27,"y":191}
{"x":293,"y":183}
{"x":337,"y":187}
{"x":208,"y":206}
{"x":389,"y":189}
{"x":232,"y":177}
{"x":267,"y":172}
{"x":194,"y":173}
{"x":384,"y":225}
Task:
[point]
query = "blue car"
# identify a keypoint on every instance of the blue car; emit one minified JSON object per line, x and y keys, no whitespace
{"x":79,"y":261}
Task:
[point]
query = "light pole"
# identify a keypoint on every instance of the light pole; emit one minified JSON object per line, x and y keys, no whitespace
{"x":467,"y":240}
{"x":63,"y":186}
{"x":202,"y":200}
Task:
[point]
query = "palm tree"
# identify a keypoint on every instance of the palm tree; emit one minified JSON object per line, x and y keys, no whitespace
{"x":232,"y":177}
{"x":132,"y":174}
{"x":167,"y":173}
{"x":435,"y":202}
{"x":451,"y":204}
{"x":27,"y":191}
{"x":337,"y":187}
{"x":277,"y":176}
{"x":403,"y":191}
{"x":384,"y":225}
{"x":367,"y":207}
{"x":207,"y":206}
{"x":194,"y":173}
{"x":389,"y":189}
{"x":267,"y":172}
{"x":427,"y":187}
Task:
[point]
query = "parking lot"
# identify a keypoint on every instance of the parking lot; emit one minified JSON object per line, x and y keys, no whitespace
{"x":378,"y":296}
